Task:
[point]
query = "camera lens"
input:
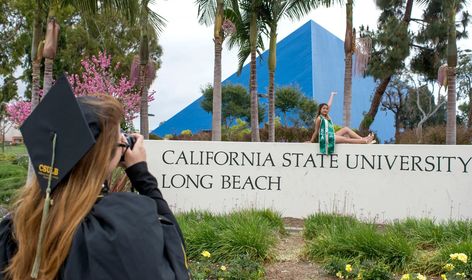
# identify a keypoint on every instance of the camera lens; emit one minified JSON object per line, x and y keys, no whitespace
{"x":130,"y":139}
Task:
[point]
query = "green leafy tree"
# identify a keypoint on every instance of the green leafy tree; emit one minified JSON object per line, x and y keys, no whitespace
{"x":287,"y":99}
{"x":307,"y":111}
{"x":394,"y":100}
{"x":235,"y":103}
{"x":13,"y":36}
{"x":8,"y":91}
{"x":391,"y":45}
{"x":464,"y":78}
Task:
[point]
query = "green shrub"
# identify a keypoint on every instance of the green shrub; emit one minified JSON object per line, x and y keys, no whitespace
{"x":249,"y":235}
{"x":362,"y":242}
{"x":373,"y":270}
{"x":238,"y":132}
{"x":241,"y":241}
{"x":435,"y":135}
{"x":321,"y":223}
{"x":430,"y":235}
{"x":186,"y":132}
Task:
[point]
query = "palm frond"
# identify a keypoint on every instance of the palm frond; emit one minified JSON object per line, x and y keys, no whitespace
{"x":128,"y":8}
{"x":298,"y":8}
{"x":155,"y":20}
{"x":206,"y":10}
{"x":243,"y":54}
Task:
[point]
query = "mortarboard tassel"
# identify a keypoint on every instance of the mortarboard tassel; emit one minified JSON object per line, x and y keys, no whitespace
{"x":47,"y":203}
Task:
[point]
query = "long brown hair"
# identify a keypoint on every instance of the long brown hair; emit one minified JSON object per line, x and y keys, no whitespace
{"x":73,"y":199}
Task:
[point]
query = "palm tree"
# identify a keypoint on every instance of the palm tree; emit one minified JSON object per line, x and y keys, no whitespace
{"x":274,"y":11}
{"x":247,"y":15}
{"x":151,"y":24}
{"x":451,"y":9}
{"x":349,"y":45}
{"x":212,"y":12}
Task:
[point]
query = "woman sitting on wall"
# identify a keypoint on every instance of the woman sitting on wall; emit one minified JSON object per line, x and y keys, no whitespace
{"x":327,"y":137}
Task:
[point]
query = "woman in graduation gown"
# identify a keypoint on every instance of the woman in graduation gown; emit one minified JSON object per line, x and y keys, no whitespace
{"x":327,"y":137}
{"x":90,"y":233}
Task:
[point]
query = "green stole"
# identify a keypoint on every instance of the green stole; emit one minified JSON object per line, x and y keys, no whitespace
{"x":326,"y":136}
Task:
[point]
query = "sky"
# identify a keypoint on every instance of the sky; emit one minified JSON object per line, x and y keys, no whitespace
{"x":187,"y":60}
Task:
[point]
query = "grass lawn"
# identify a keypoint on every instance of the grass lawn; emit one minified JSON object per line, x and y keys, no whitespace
{"x":13,"y":169}
{"x":15,"y":150}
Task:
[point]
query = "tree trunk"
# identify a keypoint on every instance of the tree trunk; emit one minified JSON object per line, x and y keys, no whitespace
{"x":35,"y":84}
{"x":347,"y":90}
{"x":217,"y":98}
{"x":48,"y":64}
{"x":348,"y":49}
{"x":369,"y":117}
{"x":271,"y":95}
{"x":216,"y":116}
{"x":451,"y":107}
{"x":143,"y":87}
{"x":374,"y":106}
{"x":451,"y":76}
{"x":36,"y":71}
{"x":253,"y":81}
{"x":144,"y":120}
{"x":469,"y":115}
{"x":419,"y":132}
{"x":254,"y":101}
{"x":2,"y":124}
{"x":397,"y":126}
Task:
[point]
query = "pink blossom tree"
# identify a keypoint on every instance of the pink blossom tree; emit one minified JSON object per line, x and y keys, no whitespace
{"x":97,"y":77}
{"x":18,"y":111}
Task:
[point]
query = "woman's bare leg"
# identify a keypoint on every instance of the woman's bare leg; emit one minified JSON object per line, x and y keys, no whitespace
{"x":341,"y":139}
{"x":347,"y":131}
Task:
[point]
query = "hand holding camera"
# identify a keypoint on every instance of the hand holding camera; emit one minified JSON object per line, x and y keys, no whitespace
{"x":136,"y":152}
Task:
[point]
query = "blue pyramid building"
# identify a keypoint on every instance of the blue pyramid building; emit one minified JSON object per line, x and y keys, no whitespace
{"x":311,"y":58}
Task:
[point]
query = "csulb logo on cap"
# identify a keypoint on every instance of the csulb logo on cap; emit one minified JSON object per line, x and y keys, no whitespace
{"x":45,"y":169}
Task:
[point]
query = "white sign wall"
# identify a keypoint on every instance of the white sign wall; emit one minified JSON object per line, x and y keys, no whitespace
{"x":381,"y":182}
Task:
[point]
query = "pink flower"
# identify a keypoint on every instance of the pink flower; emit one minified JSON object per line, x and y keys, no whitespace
{"x":96,"y":78}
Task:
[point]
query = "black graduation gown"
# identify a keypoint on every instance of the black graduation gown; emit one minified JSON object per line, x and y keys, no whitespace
{"x":121,"y":237}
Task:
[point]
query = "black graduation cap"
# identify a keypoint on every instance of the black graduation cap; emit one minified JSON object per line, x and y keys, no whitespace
{"x":74,"y":126}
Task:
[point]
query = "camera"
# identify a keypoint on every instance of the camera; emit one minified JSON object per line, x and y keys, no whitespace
{"x":130,"y":141}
